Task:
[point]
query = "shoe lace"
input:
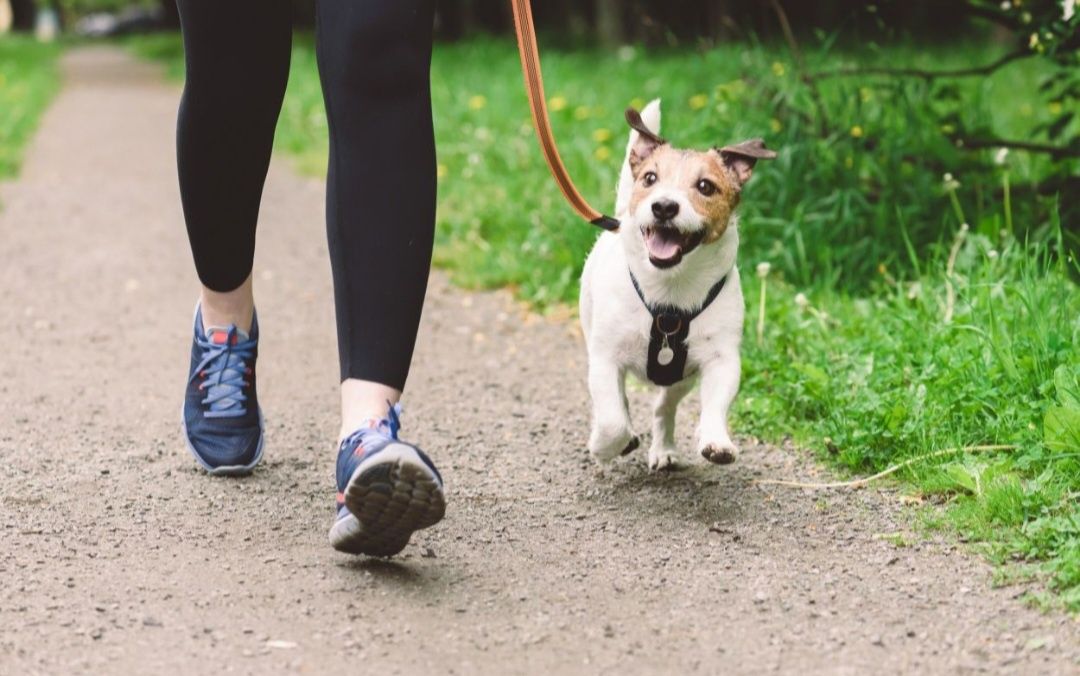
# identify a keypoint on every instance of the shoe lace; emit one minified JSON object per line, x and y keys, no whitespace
{"x":386,"y":428}
{"x":223,"y":367}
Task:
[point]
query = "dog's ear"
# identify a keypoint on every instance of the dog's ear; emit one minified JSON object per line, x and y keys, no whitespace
{"x":741,"y":157}
{"x":647,"y":141}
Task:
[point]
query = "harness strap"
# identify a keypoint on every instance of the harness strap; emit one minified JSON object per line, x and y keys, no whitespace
{"x":534,"y":85}
{"x":657,"y":310}
{"x":667,"y":355}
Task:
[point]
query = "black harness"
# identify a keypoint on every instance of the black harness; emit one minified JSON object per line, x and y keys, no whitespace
{"x":667,"y":339}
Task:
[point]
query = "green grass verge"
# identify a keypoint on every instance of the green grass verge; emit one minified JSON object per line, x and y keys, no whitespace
{"x":859,"y":222}
{"x":28,"y":80}
{"x":872,"y":381}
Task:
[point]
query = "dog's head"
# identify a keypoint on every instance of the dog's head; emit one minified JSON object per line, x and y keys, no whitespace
{"x":683,"y":199}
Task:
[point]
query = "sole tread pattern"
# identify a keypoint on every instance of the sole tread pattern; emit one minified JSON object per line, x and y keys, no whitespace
{"x":390,"y":502}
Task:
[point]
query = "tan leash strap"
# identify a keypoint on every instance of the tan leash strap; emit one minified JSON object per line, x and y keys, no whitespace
{"x":534,"y":85}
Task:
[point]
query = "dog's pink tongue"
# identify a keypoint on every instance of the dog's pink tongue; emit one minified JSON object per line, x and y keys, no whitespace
{"x":663,"y":244}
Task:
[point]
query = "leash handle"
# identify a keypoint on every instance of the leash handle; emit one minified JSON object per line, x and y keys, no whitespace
{"x":534,"y":86}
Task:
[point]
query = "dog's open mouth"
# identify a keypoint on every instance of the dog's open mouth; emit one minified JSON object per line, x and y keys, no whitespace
{"x":667,"y":244}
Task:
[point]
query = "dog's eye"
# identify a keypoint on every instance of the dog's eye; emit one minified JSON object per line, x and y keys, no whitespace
{"x":706,"y":187}
{"x":649,"y":178}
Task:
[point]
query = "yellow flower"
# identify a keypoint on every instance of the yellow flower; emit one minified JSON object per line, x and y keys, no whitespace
{"x":698,"y":101}
{"x":1055,"y":107}
{"x":477,"y":102}
{"x":778,"y":69}
{"x":637,"y":103}
{"x":856,"y":132}
{"x":557,"y":103}
{"x":775,"y":125}
{"x":881,"y":269}
{"x":602,"y":153}
{"x":581,"y":113}
{"x":442,"y":171}
{"x":601,"y":135}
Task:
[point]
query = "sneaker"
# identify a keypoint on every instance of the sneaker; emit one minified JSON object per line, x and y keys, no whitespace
{"x":222,"y":422}
{"x":387,"y":489}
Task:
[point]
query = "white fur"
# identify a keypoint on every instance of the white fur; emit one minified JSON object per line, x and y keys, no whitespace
{"x":617,"y":325}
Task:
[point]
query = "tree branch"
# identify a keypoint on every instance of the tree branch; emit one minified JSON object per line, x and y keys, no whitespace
{"x":925,"y":74}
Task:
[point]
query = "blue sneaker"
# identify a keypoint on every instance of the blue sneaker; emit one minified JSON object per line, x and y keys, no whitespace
{"x":222,"y":422}
{"x":386,"y":490}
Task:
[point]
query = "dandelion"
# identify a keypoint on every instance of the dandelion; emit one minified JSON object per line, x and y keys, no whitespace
{"x":763,"y":273}
{"x":477,"y":102}
{"x":801,"y":301}
{"x":601,"y":135}
{"x":856,"y":132}
{"x":881,"y":269}
{"x":698,"y":101}
{"x":581,"y":113}
{"x":778,"y":69}
{"x":992,"y":254}
{"x":442,"y":171}
{"x":558,"y":103}
{"x":1000,"y":156}
{"x":602,"y":153}
{"x":775,"y":125}
{"x":950,"y":184}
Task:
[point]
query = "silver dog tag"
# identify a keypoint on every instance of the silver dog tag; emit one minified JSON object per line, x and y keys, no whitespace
{"x":665,"y":355}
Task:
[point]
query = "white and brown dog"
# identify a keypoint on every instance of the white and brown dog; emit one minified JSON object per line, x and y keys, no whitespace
{"x":661,"y":297}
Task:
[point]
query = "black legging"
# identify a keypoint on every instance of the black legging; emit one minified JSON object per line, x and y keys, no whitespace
{"x":374,"y":61}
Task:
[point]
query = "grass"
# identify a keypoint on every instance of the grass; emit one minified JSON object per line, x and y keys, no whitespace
{"x":857,"y":357}
{"x":28,"y":80}
{"x":870,"y":381}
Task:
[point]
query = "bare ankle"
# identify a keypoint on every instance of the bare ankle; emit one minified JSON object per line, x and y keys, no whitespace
{"x":363,"y":400}
{"x":236,"y":307}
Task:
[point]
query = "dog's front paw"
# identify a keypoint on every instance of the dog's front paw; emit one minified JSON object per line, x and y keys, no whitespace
{"x":720,"y":453}
{"x":661,"y":459}
{"x":606,"y":446}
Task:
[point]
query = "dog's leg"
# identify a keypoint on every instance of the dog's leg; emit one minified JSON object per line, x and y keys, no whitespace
{"x":719,"y":383}
{"x":611,"y":433}
{"x":662,"y":450}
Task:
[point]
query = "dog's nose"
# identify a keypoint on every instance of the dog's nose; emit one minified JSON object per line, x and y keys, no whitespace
{"x":665,"y":210}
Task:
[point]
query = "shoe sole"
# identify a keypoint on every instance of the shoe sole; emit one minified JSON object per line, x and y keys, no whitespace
{"x":225,"y":470}
{"x":389,"y":497}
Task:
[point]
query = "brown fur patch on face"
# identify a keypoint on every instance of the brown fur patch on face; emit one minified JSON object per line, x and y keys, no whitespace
{"x":682,"y":170}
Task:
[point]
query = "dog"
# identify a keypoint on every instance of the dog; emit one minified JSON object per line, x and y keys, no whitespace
{"x":661,"y":298}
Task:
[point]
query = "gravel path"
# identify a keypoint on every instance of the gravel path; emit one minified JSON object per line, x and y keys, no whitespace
{"x":119,"y":557}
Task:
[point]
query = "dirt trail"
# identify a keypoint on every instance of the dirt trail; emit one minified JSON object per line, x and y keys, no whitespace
{"x":119,"y":557}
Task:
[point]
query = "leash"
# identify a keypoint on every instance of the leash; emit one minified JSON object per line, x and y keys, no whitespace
{"x":534,"y":85}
